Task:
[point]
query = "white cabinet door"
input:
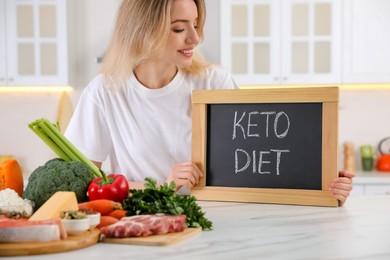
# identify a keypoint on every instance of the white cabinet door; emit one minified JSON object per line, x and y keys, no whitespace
{"x":281,"y":41}
{"x":250,"y":42}
{"x":311,"y":41}
{"x":366,"y":41}
{"x":377,"y":189}
{"x":36,"y":42}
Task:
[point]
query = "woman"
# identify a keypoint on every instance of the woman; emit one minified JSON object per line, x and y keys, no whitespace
{"x":138,"y":110}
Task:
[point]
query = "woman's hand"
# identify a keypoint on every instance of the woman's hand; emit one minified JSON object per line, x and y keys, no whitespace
{"x":185,"y":174}
{"x":342,"y":186}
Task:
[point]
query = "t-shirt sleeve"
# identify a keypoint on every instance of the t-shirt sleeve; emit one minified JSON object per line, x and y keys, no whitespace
{"x":87,"y":129}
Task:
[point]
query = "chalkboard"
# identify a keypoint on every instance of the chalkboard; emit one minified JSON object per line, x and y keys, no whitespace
{"x":266,"y":145}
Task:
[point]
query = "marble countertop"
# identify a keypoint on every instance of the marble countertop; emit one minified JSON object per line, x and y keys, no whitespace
{"x":358,"y":230}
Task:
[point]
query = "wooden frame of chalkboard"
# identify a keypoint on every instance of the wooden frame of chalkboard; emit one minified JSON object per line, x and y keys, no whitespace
{"x":273,"y":104}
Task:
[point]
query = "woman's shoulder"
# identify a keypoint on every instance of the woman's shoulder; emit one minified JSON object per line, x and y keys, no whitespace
{"x":97,"y":82}
{"x":218,"y":78}
{"x":97,"y":86}
{"x":216,"y":70}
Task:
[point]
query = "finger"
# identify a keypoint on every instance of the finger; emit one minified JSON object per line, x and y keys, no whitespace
{"x":186,"y":176}
{"x":199,"y":172}
{"x":340,"y":195}
{"x":192,"y":170}
{"x":193,"y":166}
{"x":342,"y":192}
{"x":340,"y":198}
{"x":342,"y":181}
{"x":342,"y":185}
{"x":346,"y":174}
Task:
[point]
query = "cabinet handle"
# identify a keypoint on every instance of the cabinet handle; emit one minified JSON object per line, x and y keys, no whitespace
{"x":276,"y":78}
{"x":1,"y":79}
{"x":10,"y":79}
{"x":284,"y":78}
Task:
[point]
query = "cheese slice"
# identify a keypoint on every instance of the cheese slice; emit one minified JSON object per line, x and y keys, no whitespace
{"x":52,"y":208}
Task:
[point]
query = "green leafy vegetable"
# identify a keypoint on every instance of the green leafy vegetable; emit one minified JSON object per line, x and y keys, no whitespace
{"x":163,"y":199}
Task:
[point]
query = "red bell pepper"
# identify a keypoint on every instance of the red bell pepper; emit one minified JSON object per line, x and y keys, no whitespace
{"x":112,"y":187}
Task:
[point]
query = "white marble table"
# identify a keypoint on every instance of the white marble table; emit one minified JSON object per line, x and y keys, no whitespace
{"x":359,"y":230}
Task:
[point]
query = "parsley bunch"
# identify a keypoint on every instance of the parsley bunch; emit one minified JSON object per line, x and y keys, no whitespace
{"x":163,"y":199}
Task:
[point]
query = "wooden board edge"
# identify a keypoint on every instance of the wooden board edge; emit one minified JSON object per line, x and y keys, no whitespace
{"x":199,"y":138}
{"x":286,"y":95}
{"x":39,"y":248}
{"x":330,"y":152}
{"x":266,"y":195}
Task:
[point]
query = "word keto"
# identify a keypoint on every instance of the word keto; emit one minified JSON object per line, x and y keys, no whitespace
{"x":252,"y":129}
{"x":251,"y":124}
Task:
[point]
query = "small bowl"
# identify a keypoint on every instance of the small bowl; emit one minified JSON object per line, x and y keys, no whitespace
{"x":76,"y":227}
{"x":94,"y":220}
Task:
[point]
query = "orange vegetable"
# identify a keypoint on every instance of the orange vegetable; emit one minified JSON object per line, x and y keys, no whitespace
{"x":118,"y":213}
{"x":106,"y":220}
{"x":105,"y":207}
{"x":11,"y":176}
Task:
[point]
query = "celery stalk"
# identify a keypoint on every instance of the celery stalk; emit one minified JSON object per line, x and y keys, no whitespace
{"x":57,"y":140}
{"x":68,"y":146}
{"x":50,"y":143}
{"x":61,"y":145}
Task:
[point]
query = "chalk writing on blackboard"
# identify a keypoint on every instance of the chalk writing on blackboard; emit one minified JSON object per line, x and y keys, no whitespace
{"x":249,"y":130}
{"x":265,"y":145}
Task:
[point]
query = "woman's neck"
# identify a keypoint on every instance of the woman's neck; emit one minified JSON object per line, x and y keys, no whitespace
{"x":154,"y":75}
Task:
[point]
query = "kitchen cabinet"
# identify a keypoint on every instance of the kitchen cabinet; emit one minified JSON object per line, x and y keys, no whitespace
{"x":33,"y":42}
{"x":366,"y":45}
{"x":281,"y":42}
{"x":371,"y":183}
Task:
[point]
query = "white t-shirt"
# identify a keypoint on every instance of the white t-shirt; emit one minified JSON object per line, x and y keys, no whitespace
{"x":143,"y":131}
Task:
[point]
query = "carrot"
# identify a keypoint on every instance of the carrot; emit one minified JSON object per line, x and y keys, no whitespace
{"x":106,"y":220}
{"x":103,"y":206}
{"x":118,"y":213}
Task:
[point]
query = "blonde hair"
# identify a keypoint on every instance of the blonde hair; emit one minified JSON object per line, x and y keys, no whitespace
{"x":141,"y":32}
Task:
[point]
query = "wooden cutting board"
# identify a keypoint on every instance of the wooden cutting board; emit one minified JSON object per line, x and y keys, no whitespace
{"x":36,"y":248}
{"x":156,"y":240}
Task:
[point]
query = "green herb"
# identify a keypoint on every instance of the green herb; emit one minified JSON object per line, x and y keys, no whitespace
{"x":163,"y":199}
{"x":53,"y":137}
{"x":73,"y":214}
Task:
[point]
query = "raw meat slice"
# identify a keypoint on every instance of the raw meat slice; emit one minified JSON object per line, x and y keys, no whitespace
{"x":145,"y":225}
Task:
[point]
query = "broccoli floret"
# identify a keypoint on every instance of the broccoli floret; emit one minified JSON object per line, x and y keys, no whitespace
{"x":58,"y":175}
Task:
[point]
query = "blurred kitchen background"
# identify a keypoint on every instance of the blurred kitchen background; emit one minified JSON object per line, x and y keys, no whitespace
{"x":50,"y":50}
